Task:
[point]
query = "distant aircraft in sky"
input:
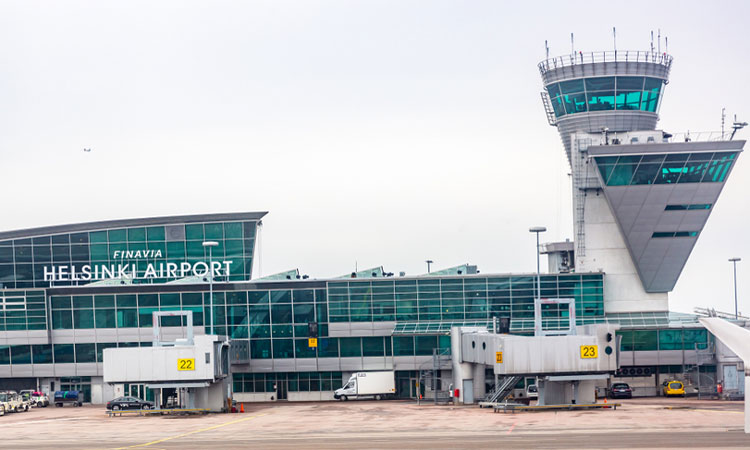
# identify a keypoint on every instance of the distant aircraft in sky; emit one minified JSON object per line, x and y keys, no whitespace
{"x":87,"y":150}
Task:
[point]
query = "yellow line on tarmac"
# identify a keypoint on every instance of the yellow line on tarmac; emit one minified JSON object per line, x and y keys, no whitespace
{"x":704,"y":410}
{"x":193,"y":432}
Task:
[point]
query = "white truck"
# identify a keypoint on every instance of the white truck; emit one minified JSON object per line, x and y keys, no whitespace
{"x":377,"y":385}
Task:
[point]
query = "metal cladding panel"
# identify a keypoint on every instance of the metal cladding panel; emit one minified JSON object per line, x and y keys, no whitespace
{"x":594,"y":122}
{"x":156,"y":364}
{"x":640,"y":211}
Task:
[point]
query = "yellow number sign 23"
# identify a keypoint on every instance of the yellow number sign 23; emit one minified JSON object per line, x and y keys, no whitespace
{"x":589,"y":351}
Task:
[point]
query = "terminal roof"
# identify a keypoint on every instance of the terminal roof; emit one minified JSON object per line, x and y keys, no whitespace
{"x":124,"y":223}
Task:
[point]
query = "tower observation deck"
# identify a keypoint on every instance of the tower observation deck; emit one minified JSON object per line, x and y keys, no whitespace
{"x":640,"y":199}
{"x":617,"y":90}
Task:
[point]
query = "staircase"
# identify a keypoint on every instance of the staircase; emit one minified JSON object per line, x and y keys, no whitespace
{"x":501,"y":392}
{"x":429,"y":374}
{"x":548,"y":109}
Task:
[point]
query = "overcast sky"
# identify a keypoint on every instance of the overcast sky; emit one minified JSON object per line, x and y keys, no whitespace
{"x":374,"y":132}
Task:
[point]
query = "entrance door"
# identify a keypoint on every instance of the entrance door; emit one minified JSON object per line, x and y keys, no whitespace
{"x":281,"y":389}
{"x":404,"y":388}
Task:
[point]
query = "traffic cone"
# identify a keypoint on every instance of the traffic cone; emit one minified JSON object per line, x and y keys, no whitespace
{"x":242,"y":407}
{"x":605,"y":402}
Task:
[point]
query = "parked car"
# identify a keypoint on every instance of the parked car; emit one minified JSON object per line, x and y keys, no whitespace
{"x":128,"y":403}
{"x":674,"y":388}
{"x":620,"y":390}
{"x":39,"y":399}
{"x":532,"y":391}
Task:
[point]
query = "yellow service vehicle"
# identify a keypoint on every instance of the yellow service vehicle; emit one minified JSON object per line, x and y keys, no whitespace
{"x":673,"y":388}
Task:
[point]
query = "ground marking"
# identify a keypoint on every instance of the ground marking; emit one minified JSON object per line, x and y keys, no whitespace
{"x":510,"y":430}
{"x":192,"y":432}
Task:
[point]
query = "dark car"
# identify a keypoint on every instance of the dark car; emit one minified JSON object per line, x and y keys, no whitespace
{"x":128,"y":403}
{"x":620,"y":390}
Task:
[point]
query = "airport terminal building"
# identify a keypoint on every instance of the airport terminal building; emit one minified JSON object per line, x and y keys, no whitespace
{"x":641,"y":200}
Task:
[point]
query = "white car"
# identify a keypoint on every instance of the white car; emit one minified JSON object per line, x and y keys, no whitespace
{"x":531,"y":391}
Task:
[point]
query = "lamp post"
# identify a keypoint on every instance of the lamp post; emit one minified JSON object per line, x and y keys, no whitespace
{"x":210,"y":245}
{"x":734,"y":262}
{"x":429,"y":262}
{"x":537,"y":305}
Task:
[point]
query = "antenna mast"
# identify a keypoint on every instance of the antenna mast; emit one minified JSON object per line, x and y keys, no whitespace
{"x":614,"y":39}
{"x":572,"y":45}
{"x":652,"y":41}
{"x":546,"y":47}
{"x":658,"y":40}
{"x":723,"y":116}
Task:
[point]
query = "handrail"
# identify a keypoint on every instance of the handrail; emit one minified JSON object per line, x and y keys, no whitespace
{"x":579,"y":58}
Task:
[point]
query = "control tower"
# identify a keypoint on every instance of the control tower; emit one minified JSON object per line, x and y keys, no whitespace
{"x":641,"y":196}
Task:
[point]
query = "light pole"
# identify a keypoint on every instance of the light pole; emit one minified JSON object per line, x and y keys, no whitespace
{"x":734,"y":261}
{"x":538,"y":314}
{"x":429,"y":262}
{"x":210,"y":245}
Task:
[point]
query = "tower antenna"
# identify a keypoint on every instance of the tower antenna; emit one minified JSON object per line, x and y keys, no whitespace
{"x":614,"y":39}
{"x":652,"y":41}
{"x":546,"y":47}
{"x":723,"y":116}
{"x":572,"y":45}
{"x":666,"y":44}
{"x":658,"y":40}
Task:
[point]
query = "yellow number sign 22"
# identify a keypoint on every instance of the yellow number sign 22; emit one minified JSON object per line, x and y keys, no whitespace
{"x":186,"y":364}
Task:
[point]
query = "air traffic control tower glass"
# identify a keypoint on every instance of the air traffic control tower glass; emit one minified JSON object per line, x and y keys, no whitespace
{"x":605,"y":94}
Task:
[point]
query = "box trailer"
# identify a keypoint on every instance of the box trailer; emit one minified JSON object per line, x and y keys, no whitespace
{"x":377,"y":385}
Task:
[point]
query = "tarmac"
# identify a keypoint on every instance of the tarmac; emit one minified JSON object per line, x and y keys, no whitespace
{"x":638,"y":423}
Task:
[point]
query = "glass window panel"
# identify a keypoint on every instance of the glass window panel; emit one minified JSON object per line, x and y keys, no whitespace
{"x":214,"y":231}
{"x":628,"y":100}
{"x":281,"y":296}
{"x":630,"y":83}
{"x":553,"y":90}
{"x":302,"y":349}
{"x":85,"y":353}
{"x":425,"y":344}
{"x":621,"y":175}
{"x":127,"y":318}
{"x":645,"y":173}
{"x":574,"y":103}
{"x":105,"y":318}
{"x":62,"y":320}
{"x":281,"y":314}
{"x":127,"y":300}
{"x":115,"y":236}
{"x":304,"y":313}
{"x":283,"y":348}
{"x":260,"y":349}
{"x":233,"y":230}
{"x":571,"y":86}
{"x":64,"y":353}
{"x":4,"y":355}
{"x":373,"y":346}
{"x":671,"y":170}
{"x":57,"y":239}
{"x":601,"y":101}
{"x":136,"y":234}
{"x":328,"y":348}
{"x":350,"y":347}
{"x":644,"y":340}
{"x":155,"y":233}
{"x":83,"y":319}
{"x":42,"y":354}
{"x":403,"y":346}
{"x":20,"y":354}
{"x":600,"y":84}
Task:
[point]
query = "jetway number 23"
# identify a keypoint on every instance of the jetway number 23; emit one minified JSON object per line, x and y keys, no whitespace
{"x":589,"y":351}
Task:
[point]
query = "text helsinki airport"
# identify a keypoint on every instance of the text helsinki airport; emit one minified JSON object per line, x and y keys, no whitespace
{"x":162,"y":270}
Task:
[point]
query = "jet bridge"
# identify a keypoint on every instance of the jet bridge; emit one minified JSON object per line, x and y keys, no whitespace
{"x":196,"y":367}
{"x":566,"y":366}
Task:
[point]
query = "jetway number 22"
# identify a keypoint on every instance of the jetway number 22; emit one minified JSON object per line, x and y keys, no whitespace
{"x":186,"y":364}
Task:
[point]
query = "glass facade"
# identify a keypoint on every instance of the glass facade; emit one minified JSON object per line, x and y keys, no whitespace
{"x":22,"y":310}
{"x":461,"y":298}
{"x":275,"y":321}
{"x":664,"y":339}
{"x":605,"y":94}
{"x":295,"y":381}
{"x":23,"y":261}
{"x":665,"y":168}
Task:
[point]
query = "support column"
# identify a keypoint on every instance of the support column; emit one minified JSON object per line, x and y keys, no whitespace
{"x":461,"y":371}
{"x":747,"y":403}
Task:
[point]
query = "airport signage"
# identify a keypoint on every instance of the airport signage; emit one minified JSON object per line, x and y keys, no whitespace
{"x":129,"y":270}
